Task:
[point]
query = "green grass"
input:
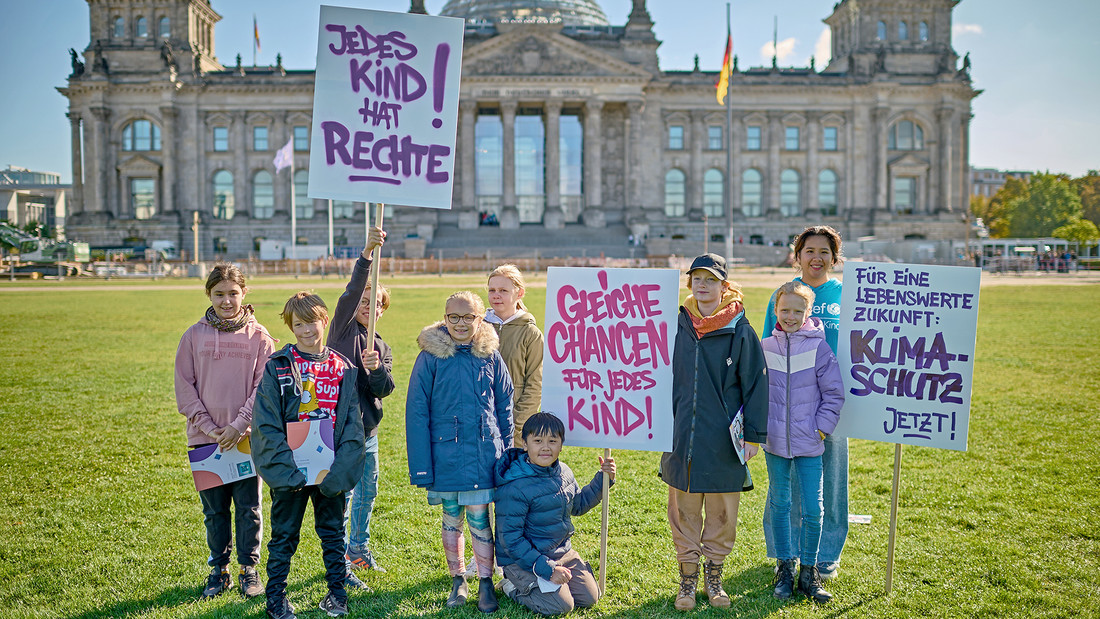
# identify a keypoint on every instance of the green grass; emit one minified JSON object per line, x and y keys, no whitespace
{"x":99,"y":516}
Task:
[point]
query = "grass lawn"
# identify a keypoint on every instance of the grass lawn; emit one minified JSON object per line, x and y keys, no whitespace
{"x":100,"y":518}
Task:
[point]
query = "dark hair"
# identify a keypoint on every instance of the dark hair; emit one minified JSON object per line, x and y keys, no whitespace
{"x":543,"y":423}
{"x":830,"y":234}
{"x":224,"y":271}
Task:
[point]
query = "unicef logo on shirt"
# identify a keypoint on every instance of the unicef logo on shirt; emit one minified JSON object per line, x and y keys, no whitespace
{"x":834,"y":309}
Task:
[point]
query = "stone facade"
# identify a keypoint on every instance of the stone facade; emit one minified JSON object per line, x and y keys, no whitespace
{"x":874,"y":144}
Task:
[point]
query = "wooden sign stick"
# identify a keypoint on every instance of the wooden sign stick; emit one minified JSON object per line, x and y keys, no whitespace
{"x":603,"y":527}
{"x":893,"y":518}
{"x":375,"y":266}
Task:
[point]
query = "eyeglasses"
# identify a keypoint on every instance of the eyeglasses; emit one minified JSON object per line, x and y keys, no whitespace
{"x":455,"y":318}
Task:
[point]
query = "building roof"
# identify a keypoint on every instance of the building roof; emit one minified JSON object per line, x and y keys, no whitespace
{"x":567,"y":12}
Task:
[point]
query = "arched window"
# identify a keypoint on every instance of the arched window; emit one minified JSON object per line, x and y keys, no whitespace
{"x":164,"y":28}
{"x":922,"y":31}
{"x":906,"y":135}
{"x":141,"y":28}
{"x":903,"y":31}
{"x":752,"y":184}
{"x":675,"y":193}
{"x":713,"y":193}
{"x":120,"y":28}
{"x":303,"y":204}
{"x":263,"y":195}
{"x":141,"y":135}
{"x":343,"y":209}
{"x":224,"y":207}
{"x":826,"y":192}
{"x":880,"y":31}
{"x":790,"y":192}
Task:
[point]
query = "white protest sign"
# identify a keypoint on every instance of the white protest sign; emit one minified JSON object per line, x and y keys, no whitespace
{"x":607,"y":363}
{"x":385,"y":107}
{"x":906,"y":351}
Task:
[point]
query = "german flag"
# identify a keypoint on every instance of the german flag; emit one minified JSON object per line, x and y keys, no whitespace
{"x":724,"y":77}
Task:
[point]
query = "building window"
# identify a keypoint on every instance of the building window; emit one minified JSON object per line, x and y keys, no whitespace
{"x":753,"y":140}
{"x":714,"y":137}
{"x":903,"y":31}
{"x":529,"y":142}
{"x":905,"y":194}
{"x":880,"y":31}
{"x":675,"y":137}
{"x":713,"y":193}
{"x":263,"y":195}
{"x":221,"y":139}
{"x":829,"y":139}
{"x":143,"y":193}
{"x":826,"y":192}
{"x":259,"y":138}
{"x":790,"y":192}
{"x":488,"y":161}
{"x":922,"y":31}
{"x":752,"y":185}
{"x":906,"y":135}
{"x":303,"y":204}
{"x":224,"y":207}
{"x":301,"y":139}
{"x":221,"y":245}
{"x":141,"y":28}
{"x":343,"y":209}
{"x":675,"y":193}
{"x":790,"y":135}
{"x":120,"y":28}
{"x":256,"y":242}
{"x":164,"y":28}
{"x":571,"y":165}
{"x":140,"y":135}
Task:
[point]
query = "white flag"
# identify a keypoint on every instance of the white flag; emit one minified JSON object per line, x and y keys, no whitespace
{"x":284,"y":157}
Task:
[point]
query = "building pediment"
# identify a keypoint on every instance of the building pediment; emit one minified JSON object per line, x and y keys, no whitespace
{"x":139,"y":164}
{"x":909,"y":164}
{"x":534,"y":52}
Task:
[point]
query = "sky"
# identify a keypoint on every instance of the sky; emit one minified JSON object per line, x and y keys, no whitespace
{"x":1036,"y":63}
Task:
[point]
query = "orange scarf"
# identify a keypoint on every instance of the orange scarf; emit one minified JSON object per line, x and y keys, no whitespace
{"x":728,"y":309}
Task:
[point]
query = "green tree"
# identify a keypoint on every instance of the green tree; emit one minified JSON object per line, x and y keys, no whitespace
{"x":1079,"y":230}
{"x":995,"y":211}
{"x":1050,"y":202}
{"x":1088,"y":188}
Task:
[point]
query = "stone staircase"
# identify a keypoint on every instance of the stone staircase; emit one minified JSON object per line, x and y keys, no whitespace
{"x":530,"y":241}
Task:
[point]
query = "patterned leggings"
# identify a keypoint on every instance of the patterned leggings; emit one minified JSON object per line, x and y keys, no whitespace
{"x":481,"y":533}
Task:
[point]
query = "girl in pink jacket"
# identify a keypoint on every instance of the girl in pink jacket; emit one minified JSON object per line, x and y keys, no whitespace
{"x":805,"y":394}
{"x":219,"y":362}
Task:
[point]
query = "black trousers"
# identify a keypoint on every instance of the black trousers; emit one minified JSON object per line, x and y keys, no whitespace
{"x":236,"y":502}
{"x":288,"y":508}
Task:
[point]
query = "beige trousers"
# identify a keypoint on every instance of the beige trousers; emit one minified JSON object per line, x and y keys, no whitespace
{"x":693,"y":533}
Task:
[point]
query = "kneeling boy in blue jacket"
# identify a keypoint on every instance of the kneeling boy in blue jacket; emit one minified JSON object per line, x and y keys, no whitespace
{"x":536,"y":495}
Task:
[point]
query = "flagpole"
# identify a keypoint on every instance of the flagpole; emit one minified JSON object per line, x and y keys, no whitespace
{"x":293,"y":215}
{"x":729,"y":139}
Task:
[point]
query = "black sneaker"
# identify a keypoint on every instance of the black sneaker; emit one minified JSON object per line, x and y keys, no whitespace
{"x":216,"y":582}
{"x":249,"y":582}
{"x":280,"y":608}
{"x":351,"y":581}
{"x":334,"y":606}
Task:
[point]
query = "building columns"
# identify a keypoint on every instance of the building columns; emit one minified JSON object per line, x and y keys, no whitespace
{"x":946,"y":118}
{"x":880,"y":133}
{"x":509,"y":215}
{"x":168,"y":160}
{"x":78,"y":172}
{"x":593,"y":177}
{"x":695,"y":168}
{"x":772,"y":187}
{"x":813,"y":202}
{"x":553,"y":218}
{"x":98,"y":201}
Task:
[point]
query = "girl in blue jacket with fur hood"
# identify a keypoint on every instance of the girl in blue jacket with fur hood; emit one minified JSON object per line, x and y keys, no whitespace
{"x":458,"y":422}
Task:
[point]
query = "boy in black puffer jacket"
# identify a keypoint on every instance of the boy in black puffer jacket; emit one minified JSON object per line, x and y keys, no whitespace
{"x":536,"y":495}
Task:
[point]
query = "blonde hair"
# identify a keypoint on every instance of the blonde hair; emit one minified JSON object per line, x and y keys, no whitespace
{"x":307,"y":306}
{"x":728,"y":285}
{"x":799,"y":290}
{"x":514,"y":275}
{"x":383,"y":293}
{"x":465,"y":295}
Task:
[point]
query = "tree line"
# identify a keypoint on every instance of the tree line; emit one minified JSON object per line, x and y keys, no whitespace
{"x":1046,"y":205}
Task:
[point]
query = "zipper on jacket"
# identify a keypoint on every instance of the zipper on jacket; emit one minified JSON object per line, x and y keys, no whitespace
{"x":694,"y":403}
{"x":787,"y":336}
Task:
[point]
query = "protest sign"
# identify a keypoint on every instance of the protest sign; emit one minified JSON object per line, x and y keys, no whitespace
{"x":385,"y":107}
{"x":211,"y":467}
{"x":312,"y":444}
{"x":607,"y":362}
{"x":906,"y":351}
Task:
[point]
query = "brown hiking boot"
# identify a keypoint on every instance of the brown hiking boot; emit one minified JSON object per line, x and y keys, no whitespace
{"x":689,"y":580}
{"x":713,"y":574}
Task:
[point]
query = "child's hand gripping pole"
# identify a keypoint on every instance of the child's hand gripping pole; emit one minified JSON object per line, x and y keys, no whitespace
{"x":375,"y":265}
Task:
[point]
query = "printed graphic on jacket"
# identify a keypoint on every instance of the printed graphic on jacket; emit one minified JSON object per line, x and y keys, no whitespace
{"x":320,"y":386}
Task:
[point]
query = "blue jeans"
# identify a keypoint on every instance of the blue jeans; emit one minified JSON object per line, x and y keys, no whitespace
{"x":362,"y":499}
{"x":807,"y":470}
{"x":834,"y":530}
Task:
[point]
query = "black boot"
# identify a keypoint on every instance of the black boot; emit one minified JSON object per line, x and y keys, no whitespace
{"x":486,"y":596}
{"x":809,"y":582}
{"x":459,"y":592}
{"x":784,"y":579}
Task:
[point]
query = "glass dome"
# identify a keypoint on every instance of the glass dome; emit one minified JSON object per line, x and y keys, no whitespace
{"x":568,"y":12}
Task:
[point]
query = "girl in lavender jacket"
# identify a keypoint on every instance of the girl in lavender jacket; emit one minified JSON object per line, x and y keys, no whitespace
{"x":805,"y":396}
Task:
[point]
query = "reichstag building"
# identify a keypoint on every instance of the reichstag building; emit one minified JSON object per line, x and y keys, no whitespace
{"x":568,"y":127}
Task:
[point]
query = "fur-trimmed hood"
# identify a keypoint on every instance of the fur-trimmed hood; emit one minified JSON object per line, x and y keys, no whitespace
{"x":437,"y":342}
